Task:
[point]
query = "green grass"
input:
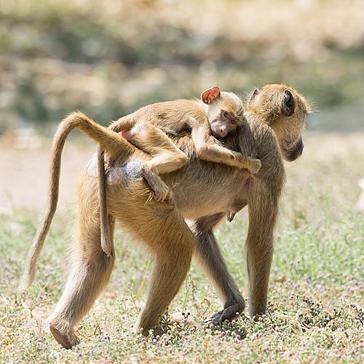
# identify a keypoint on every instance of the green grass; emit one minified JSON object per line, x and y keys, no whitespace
{"x":316,"y":292}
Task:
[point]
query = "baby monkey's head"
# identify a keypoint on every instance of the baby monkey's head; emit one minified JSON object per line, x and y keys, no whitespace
{"x":224,"y":111}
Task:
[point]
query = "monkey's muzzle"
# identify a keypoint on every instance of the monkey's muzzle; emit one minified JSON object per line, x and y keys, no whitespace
{"x":295,"y":151}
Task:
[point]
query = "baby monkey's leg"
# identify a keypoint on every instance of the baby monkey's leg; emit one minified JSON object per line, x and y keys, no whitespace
{"x":166,"y":156}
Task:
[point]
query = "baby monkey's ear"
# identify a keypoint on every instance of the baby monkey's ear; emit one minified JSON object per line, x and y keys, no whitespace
{"x":210,"y":95}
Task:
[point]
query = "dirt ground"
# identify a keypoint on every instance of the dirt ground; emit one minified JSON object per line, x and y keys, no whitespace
{"x":24,"y":165}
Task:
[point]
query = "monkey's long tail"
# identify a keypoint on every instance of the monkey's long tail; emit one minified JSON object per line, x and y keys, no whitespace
{"x":108,"y":140}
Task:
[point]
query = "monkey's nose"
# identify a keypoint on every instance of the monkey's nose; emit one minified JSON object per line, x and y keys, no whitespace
{"x":222,"y":131}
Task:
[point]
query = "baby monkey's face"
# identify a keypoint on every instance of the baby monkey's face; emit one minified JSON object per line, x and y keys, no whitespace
{"x":224,"y":111}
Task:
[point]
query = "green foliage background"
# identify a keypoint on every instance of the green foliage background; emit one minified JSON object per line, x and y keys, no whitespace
{"x":109,"y":57}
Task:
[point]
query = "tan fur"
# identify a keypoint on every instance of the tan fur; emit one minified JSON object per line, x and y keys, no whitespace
{"x":203,"y":192}
{"x":107,"y":140}
{"x":147,"y":127}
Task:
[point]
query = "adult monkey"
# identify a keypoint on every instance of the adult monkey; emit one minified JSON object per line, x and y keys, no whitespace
{"x":203,"y":192}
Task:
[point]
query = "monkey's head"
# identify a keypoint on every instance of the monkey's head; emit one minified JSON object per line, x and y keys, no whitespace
{"x":284,"y":110}
{"x":224,"y":111}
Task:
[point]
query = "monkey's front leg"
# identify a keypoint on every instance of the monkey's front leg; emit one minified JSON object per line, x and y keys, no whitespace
{"x":263,"y":208}
{"x":209,"y":256}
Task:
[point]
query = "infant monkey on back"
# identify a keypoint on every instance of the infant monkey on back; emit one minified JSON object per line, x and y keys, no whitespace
{"x":214,"y":116}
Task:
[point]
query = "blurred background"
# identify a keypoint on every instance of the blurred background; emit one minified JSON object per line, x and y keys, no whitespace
{"x":108,"y":57}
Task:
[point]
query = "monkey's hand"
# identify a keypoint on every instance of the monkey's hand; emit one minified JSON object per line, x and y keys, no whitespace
{"x":251,"y":164}
{"x":254,"y":165}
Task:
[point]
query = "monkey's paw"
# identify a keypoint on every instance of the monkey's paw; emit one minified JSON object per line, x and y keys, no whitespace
{"x":163,"y":194}
{"x":255,"y":165}
{"x":161,"y":191}
{"x":227,"y":314}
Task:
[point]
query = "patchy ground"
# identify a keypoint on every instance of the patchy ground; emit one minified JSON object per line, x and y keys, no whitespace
{"x":316,"y":295}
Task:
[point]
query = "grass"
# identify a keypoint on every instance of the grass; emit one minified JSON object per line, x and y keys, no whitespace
{"x":316,"y":289}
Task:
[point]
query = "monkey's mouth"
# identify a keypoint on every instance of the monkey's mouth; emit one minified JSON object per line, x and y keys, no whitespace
{"x":291,"y":153}
{"x":219,"y":133}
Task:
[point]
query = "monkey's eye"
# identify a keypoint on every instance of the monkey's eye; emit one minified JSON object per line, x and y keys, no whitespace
{"x":226,"y":115}
{"x":229,"y":117}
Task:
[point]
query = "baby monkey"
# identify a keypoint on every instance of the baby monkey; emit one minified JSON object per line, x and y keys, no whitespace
{"x":214,"y":116}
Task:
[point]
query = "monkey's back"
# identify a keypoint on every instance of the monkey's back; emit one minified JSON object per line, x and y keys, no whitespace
{"x":172,"y":116}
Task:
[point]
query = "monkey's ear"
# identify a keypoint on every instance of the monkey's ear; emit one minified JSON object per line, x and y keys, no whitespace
{"x":210,"y":95}
{"x":253,"y":94}
{"x":288,"y":104}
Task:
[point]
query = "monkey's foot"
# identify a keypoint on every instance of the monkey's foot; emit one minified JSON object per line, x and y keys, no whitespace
{"x":66,"y":338}
{"x":242,"y":162}
{"x":229,"y":313}
{"x":160,"y":190}
{"x":254,"y":165}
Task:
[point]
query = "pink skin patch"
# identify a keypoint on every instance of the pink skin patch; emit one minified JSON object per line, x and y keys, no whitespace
{"x":116,"y":175}
{"x":128,"y":134}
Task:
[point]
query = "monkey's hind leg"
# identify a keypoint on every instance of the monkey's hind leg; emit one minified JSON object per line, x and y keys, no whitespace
{"x":172,"y":243}
{"x":166,"y":157}
{"x":89,"y":275}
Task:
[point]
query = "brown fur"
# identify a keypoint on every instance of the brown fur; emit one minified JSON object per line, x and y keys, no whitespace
{"x":203,"y":192}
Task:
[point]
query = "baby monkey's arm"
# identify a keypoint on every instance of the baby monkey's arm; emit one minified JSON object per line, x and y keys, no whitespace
{"x":207,"y":149}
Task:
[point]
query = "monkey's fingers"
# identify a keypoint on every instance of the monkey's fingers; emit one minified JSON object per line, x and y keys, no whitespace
{"x":160,"y":190}
{"x":254,"y":165}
